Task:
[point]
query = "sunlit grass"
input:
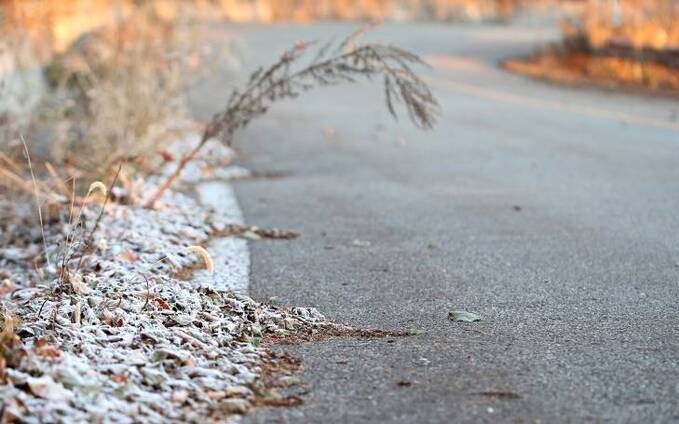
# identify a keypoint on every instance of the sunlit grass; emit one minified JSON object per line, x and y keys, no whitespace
{"x":637,"y":24}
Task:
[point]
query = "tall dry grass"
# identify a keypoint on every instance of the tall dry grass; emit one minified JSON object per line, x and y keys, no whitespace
{"x":116,"y":93}
{"x":124,"y":93}
{"x":21,"y":85}
{"x":621,"y":44}
{"x":312,"y":10}
{"x":639,"y":24}
{"x":71,"y":18}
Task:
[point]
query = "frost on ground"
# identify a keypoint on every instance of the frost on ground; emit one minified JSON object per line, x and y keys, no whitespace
{"x":126,"y":338}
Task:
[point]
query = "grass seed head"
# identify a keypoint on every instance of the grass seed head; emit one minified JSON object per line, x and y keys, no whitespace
{"x":200,"y":251}
{"x":97,"y":186}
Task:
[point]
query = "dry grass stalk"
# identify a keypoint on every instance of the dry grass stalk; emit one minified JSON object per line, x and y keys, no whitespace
{"x":37,"y":200}
{"x":12,"y":178}
{"x":332,"y":65}
{"x":86,"y":241}
{"x":59,"y":184}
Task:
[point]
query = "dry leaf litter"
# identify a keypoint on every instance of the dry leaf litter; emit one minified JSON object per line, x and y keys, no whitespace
{"x":123,"y":340}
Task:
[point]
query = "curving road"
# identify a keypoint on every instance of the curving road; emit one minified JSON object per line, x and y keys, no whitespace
{"x":552,"y":212}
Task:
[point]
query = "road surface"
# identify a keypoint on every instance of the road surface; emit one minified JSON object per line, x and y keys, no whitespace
{"x":552,"y":212}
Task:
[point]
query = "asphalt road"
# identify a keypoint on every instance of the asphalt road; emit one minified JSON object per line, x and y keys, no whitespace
{"x":552,"y":212}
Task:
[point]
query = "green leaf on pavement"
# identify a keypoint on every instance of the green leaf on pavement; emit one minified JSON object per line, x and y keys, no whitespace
{"x":361,"y":243}
{"x":463,"y":316}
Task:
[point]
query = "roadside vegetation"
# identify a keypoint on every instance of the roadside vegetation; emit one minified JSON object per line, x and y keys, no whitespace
{"x":270,"y":10}
{"x":630,"y":44}
{"x":98,"y":243}
{"x":97,"y":240}
{"x":113,"y":94}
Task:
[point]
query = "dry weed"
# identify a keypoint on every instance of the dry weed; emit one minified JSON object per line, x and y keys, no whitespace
{"x":333,"y":64}
{"x":313,"y":10}
{"x":637,"y":24}
{"x":613,"y":44}
{"x":116,"y":93}
{"x":126,"y":91}
{"x":73,"y":21}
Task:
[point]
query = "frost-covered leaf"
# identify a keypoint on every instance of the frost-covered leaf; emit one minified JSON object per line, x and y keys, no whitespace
{"x":70,"y":377}
{"x":128,"y":256}
{"x":47,"y":388}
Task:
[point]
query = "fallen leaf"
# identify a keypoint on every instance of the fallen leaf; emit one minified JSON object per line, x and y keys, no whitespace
{"x":216,"y":395}
{"x":14,"y":410}
{"x":6,"y":287}
{"x":119,"y":378}
{"x":72,"y":378}
{"x":237,"y":391}
{"x":102,"y":244}
{"x":3,"y":370}
{"x":167,"y":156}
{"x":48,"y":351}
{"x":128,"y":256}
{"x":162,"y":303}
{"x":106,"y":317}
{"x":77,"y":284}
{"x":232,"y":406}
{"x":77,"y":311}
{"x":463,"y":316}
{"x":180,"y":396}
{"x":46,"y":388}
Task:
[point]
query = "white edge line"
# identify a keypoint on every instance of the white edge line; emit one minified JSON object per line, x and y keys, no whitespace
{"x":231,"y":254}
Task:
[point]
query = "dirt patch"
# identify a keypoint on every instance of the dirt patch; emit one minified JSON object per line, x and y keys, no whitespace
{"x":277,"y":373}
{"x":326,"y":333}
{"x":654,"y":72}
{"x":278,"y":383}
{"x":253,"y":233}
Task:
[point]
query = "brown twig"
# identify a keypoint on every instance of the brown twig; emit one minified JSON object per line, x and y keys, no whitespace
{"x":188,"y":157}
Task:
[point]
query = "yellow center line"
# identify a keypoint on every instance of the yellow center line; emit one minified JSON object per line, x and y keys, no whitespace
{"x":507,"y":97}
